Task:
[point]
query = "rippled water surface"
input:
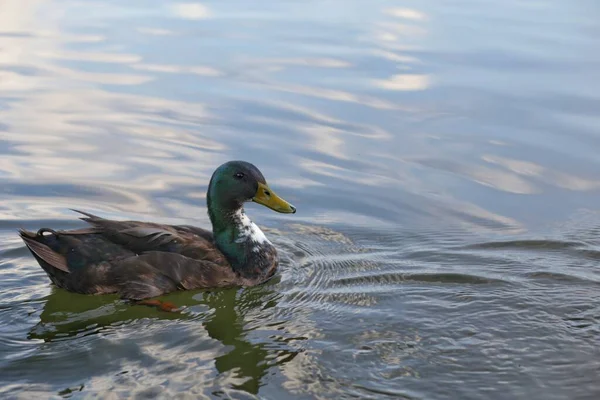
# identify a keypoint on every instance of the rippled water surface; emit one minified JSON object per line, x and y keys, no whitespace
{"x":444,"y":157}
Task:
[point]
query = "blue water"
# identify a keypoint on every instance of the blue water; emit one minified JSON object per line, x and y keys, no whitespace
{"x":443,"y":157}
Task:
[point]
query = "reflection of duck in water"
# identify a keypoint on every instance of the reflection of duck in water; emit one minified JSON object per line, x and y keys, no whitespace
{"x":139,"y":260}
{"x":249,"y":352}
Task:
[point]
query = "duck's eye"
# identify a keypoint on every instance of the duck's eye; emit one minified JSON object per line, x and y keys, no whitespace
{"x":239,"y":175}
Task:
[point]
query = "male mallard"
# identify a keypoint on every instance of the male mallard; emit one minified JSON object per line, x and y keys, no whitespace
{"x":139,"y":260}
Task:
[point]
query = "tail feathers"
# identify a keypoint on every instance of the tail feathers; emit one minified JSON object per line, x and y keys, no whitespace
{"x":33,"y":241}
{"x":88,"y":217}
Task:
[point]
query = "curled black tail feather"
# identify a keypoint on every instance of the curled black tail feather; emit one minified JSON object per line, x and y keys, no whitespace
{"x":41,"y":231}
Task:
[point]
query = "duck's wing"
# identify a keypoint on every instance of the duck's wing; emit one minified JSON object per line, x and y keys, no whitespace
{"x":91,"y":264}
{"x":155,"y":273}
{"x":142,"y":237}
{"x":63,"y":253}
{"x":88,"y":260}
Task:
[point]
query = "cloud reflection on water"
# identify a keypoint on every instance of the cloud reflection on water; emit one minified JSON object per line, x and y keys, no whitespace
{"x":155,"y":133}
{"x":87,"y":127}
{"x":190,"y":10}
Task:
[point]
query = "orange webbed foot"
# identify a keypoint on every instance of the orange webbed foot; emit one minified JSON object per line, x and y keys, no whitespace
{"x":161,"y":305}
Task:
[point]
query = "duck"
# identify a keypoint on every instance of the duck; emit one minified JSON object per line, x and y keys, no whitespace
{"x":143,"y":260}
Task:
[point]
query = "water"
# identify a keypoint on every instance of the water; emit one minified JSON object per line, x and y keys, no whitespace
{"x":443,"y":156}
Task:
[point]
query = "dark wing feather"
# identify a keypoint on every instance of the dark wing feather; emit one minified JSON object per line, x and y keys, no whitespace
{"x":156,"y":273}
{"x":142,"y":237}
{"x":152,"y":236}
{"x":200,"y":232}
{"x":136,"y":259}
{"x":69,"y":250}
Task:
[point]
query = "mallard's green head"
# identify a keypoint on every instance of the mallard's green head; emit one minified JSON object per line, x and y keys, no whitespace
{"x":242,"y":242}
{"x":237,"y":182}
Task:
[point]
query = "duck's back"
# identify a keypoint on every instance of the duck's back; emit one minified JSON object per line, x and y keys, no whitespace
{"x":135,"y":259}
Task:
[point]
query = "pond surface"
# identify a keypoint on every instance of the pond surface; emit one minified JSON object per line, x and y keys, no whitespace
{"x":443,"y":157}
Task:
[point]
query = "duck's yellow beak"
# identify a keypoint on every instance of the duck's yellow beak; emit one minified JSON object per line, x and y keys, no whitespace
{"x":268,"y":198}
